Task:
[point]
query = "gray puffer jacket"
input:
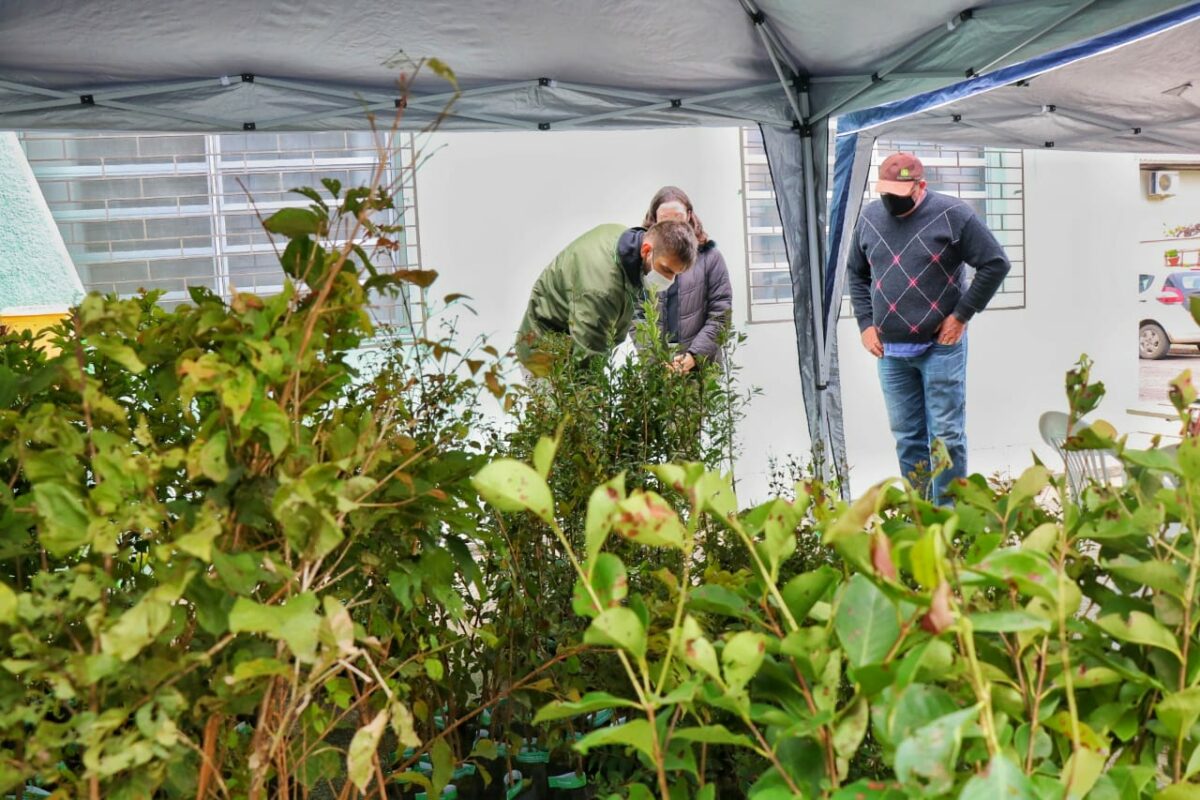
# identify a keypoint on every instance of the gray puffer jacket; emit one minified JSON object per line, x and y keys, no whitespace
{"x":705,"y":302}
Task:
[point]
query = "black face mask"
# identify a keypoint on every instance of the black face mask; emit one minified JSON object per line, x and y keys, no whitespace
{"x":897,"y":205}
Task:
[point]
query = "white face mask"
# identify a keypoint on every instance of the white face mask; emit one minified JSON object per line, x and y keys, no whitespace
{"x":656,"y":280}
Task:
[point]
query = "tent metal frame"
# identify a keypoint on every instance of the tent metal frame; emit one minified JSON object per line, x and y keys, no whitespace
{"x":360,"y":101}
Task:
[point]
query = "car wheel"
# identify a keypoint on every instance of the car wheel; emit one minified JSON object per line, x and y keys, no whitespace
{"x":1152,"y":341}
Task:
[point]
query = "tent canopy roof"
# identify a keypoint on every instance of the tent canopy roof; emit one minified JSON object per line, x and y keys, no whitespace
{"x":1137,"y":91}
{"x":176,"y":65}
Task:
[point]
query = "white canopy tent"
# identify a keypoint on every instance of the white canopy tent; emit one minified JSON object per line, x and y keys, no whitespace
{"x":548,"y":65}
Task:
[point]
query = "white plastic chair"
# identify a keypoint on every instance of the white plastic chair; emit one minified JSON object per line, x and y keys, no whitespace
{"x":1083,"y":466}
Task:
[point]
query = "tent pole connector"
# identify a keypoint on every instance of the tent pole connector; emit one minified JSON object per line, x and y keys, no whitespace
{"x":1137,"y":131}
{"x":543,"y":126}
{"x":546,"y":82}
{"x":1048,"y":145}
{"x":677,"y":103}
{"x":87,"y":100}
{"x":876,"y":77}
{"x":401,"y":102}
{"x":247,"y":77}
{"x":956,"y":118}
{"x":248,"y":126}
{"x":758,"y":17}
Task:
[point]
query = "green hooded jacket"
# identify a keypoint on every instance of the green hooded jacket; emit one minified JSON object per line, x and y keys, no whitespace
{"x":588,"y":291}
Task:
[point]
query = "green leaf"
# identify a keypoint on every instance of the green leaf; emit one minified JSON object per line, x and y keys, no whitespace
{"x":295,"y":622}
{"x":741,"y":658}
{"x":1028,"y":486}
{"x":646,"y":518}
{"x":636,"y":733}
{"x":212,"y":461}
{"x":510,"y":485}
{"x":1179,"y":711}
{"x":543,"y":455}
{"x":713,"y":734}
{"x":443,"y":766}
{"x":716,"y":599}
{"x":1000,"y":780}
{"x":850,"y":730}
{"x":198,"y":540}
{"x":1179,"y":791}
{"x":1139,"y":628}
{"x":1008,"y":622}
{"x":592,"y":701}
{"x":716,"y":495}
{"x":140,"y":625}
{"x":1042,"y":538}
{"x":915,"y":707}
{"x":618,"y":627}
{"x":802,"y":592}
{"x":869,"y":789}
{"x":601,"y":505}
{"x":1161,"y":575}
{"x":608,"y":581}
{"x":119,"y":352}
{"x":266,"y":416}
{"x":927,"y":758}
{"x":236,"y":392}
{"x":403,"y":725}
{"x":926,"y":556}
{"x":695,"y":649}
{"x":866,"y":622}
{"x":257,"y":668}
{"x":64,"y":522}
{"x":1028,"y":570}
{"x":779,"y":534}
{"x":361,"y":755}
{"x":8,"y":605}
{"x":293,"y":223}
{"x":1084,"y":766}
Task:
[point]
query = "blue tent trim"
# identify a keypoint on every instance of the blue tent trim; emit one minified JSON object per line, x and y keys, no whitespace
{"x":888,"y":112}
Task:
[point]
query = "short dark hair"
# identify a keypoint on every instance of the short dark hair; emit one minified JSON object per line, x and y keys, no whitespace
{"x":675,"y":238}
{"x":673,"y":194}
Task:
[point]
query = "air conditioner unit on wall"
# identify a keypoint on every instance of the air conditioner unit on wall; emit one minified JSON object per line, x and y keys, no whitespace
{"x":1162,"y":183}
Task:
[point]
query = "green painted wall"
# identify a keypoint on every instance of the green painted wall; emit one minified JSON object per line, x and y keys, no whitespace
{"x":35,"y":268}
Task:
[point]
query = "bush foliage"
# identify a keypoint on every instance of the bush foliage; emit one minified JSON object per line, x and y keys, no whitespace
{"x":253,"y":549}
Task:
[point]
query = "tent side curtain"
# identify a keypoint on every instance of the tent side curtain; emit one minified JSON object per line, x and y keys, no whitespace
{"x":852,"y":165}
{"x":821,"y":389}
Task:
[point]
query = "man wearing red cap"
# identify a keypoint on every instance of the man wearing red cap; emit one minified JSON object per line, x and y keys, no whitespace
{"x":911,"y":296}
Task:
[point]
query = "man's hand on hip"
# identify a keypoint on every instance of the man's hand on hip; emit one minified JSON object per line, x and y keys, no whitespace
{"x":951,"y":330}
{"x":870,"y":340}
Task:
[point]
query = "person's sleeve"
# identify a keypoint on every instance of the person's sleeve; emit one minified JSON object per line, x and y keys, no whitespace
{"x":590,"y":325}
{"x":718,"y":303}
{"x":858,"y":275}
{"x":979,"y":248}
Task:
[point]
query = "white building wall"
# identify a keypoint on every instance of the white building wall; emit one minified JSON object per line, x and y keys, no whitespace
{"x":494,"y":209}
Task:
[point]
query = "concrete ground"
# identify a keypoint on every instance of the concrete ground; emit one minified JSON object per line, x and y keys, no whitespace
{"x":1154,"y":376}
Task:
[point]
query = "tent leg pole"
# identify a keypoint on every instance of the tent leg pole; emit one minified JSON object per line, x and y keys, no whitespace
{"x":816,"y":280}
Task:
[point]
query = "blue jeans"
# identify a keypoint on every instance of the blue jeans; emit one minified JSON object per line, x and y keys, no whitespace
{"x":926,"y":399}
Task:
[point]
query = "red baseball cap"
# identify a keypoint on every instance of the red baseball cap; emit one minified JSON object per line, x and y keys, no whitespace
{"x":899,"y":173}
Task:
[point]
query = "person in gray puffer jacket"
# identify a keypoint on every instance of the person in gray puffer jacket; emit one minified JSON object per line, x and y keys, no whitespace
{"x":696,"y":309}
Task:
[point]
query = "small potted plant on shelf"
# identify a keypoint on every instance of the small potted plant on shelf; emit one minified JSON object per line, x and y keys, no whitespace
{"x":1172,"y":258}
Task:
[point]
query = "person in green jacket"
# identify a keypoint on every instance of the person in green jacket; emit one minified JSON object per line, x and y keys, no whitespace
{"x":590,"y":290}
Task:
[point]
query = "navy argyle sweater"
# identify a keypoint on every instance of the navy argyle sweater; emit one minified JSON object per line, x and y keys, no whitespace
{"x":906,"y":274}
